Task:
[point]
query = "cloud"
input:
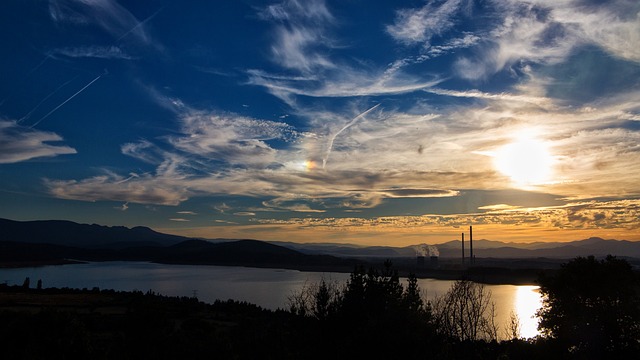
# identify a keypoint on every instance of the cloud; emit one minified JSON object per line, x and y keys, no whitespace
{"x":612,"y":25}
{"x":230,"y":138}
{"x":18,"y":143}
{"x":106,"y":14}
{"x":230,"y":154}
{"x":476,"y":94}
{"x":291,"y":10}
{"x":581,"y":215}
{"x":303,"y":42}
{"x":345,"y":82}
{"x":498,"y":207}
{"x":179,"y":219}
{"x":300,"y":34}
{"x":418,"y":193}
{"x":413,"y":26}
{"x":123,"y":207}
{"x":186,"y":213}
{"x":222,"y":208}
{"x":244,"y":213}
{"x":388,"y":153}
{"x":548,"y":32}
{"x":163,"y":188}
{"x":100,"y":52}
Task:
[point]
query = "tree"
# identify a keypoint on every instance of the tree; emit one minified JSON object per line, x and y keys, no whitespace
{"x":592,"y":308}
{"x":466,"y":312}
{"x":512,"y":329}
{"x":316,"y":300}
{"x":373,"y":314}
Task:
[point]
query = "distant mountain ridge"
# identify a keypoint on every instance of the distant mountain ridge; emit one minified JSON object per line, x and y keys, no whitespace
{"x":484,"y":248}
{"x":57,"y":242}
{"x":69,"y":233}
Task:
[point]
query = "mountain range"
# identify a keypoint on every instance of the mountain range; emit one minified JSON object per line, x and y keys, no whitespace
{"x":66,"y":237}
{"x":55,"y":242}
{"x":482,"y":249}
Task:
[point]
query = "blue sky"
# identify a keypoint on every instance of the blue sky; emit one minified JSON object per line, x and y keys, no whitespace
{"x":370,"y":122}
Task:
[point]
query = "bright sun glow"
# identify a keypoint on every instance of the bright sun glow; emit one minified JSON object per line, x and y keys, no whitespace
{"x":526,"y":161}
{"x":528,"y":300}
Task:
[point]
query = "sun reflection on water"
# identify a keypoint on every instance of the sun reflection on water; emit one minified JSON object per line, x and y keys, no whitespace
{"x":527,"y":301}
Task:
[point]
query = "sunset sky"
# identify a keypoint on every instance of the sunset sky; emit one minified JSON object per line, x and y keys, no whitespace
{"x":351,"y":121}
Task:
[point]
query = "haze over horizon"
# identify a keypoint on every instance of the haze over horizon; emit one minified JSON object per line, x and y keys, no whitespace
{"x":374,"y":123}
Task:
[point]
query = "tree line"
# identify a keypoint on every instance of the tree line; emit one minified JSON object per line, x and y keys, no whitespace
{"x":591,"y":310}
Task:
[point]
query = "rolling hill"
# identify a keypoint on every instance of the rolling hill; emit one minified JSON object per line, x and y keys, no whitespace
{"x":68,"y":233}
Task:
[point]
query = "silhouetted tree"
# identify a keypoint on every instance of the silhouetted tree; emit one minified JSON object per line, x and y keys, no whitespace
{"x":412,"y":297}
{"x":512,"y":329}
{"x":39,"y":284}
{"x":466,"y":312}
{"x":26,"y":282}
{"x":373,"y":314}
{"x":592,"y":308}
{"x":317,"y":300}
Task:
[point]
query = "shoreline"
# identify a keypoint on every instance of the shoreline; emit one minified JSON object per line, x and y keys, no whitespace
{"x":480,"y":274}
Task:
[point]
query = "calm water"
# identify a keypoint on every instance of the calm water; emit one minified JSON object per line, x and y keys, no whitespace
{"x":269,"y":288}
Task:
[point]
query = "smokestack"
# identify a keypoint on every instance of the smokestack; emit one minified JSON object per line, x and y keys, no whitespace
{"x":462,"y":248}
{"x":471,"y":259}
{"x":433,"y":262}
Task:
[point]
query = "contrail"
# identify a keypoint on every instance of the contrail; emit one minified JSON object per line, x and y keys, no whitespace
{"x":66,"y":101}
{"x":333,"y":138}
{"x":141,"y":23}
{"x":27,"y":76}
{"x":39,"y":65}
{"x":43,"y":100}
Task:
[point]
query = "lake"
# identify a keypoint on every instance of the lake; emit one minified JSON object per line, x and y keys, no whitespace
{"x":269,"y":288}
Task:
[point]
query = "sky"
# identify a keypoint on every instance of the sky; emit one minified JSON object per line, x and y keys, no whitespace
{"x":349,"y":121}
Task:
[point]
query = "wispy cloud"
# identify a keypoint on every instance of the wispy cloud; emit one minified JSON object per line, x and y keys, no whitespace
{"x":300,"y":30}
{"x":19,"y":143}
{"x":303,"y":42}
{"x":386,"y":154}
{"x":408,"y":152}
{"x":580,"y":215}
{"x":548,"y":32}
{"x":418,"y":26}
{"x":222,"y":208}
{"x":161,"y":188}
{"x":106,"y":14}
{"x":345,"y":82}
{"x":230,"y":138}
{"x":100,"y":52}
{"x":244,"y":213}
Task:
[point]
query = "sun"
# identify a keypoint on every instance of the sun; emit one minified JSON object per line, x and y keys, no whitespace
{"x":526,"y":160}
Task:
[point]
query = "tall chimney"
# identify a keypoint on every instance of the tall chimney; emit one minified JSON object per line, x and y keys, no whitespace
{"x":462,"y":248}
{"x":471,"y":258}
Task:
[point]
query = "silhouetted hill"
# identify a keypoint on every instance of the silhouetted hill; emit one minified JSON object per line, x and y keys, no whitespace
{"x":345,"y":250}
{"x":25,"y":243}
{"x":68,"y":233}
{"x":240,"y":252}
{"x":485,"y":248}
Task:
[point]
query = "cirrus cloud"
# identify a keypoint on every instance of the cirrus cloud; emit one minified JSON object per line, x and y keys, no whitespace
{"x":19,"y":143}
